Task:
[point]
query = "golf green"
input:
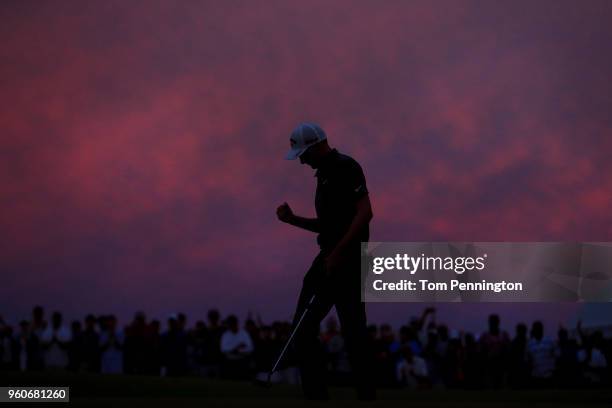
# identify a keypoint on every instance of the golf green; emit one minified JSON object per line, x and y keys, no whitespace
{"x":92,"y":390}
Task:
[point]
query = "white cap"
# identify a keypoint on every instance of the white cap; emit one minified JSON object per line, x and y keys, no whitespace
{"x":302,"y":137}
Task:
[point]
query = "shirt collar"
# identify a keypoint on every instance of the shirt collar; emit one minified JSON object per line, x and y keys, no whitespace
{"x":326,"y":161}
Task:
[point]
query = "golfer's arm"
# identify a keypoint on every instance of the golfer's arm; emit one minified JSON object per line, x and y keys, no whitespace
{"x":309,"y":224}
{"x":362,"y":217}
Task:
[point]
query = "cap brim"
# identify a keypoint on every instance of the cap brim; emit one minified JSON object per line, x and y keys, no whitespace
{"x":294,"y":154}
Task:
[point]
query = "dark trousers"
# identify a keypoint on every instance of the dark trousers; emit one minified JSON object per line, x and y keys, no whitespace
{"x":343,"y":290}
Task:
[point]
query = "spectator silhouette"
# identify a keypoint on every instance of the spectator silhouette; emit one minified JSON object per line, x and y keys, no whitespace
{"x":251,"y":327}
{"x":408,"y":337}
{"x":39,"y":324}
{"x":55,"y":342}
{"x":333,"y":342}
{"x":541,"y":352}
{"x":174,"y":349}
{"x":518,"y":375}
{"x":28,"y":354}
{"x":593,"y":357}
{"x":236,"y":346}
{"x":153,"y":348}
{"x":10,"y":347}
{"x":452,"y":359}
{"x":473,"y":366}
{"x":35,"y":352}
{"x":91,"y":345}
{"x":198,"y":343}
{"x":567,"y":360}
{"x":76,"y":351}
{"x":265,"y":350}
{"x":386,"y":356}
{"x":411,"y":370}
{"x":212,"y":354}
{"x":494,"y":346}
{"x":136,"y":345}
{"x":112,"y":342}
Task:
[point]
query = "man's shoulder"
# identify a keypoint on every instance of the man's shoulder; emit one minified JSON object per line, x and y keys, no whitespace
{"x":344,"y":161}
{"x":344,"y":158}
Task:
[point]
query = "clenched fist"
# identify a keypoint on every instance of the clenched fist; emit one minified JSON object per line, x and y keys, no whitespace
{"x":284,"y":213}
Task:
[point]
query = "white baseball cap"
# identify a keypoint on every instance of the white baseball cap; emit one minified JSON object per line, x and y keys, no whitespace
{"x":303,"y":136}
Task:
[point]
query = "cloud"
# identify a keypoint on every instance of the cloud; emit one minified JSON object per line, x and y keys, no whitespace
{"x":142,"y":142}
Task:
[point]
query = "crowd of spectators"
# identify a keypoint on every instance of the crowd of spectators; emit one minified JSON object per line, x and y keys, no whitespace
{"x":422,"y":354}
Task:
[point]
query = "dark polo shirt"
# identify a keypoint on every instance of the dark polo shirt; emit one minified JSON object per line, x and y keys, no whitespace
{"x":340,"y":184}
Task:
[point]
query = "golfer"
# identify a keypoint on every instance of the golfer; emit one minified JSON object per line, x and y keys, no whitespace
{"x":343,"y":213}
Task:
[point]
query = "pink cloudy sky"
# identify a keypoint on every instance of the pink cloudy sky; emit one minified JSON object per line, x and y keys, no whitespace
{"x":141,"y":142}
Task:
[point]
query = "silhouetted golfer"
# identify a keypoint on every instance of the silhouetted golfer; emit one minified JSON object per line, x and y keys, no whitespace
{"x":343,"y":214}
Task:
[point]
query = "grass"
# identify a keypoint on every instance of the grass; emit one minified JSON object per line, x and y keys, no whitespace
{"x":94,"y":390}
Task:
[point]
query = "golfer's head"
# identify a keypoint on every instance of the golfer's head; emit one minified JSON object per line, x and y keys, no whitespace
{"x":308,"y":143}
{"x":313,"y":154}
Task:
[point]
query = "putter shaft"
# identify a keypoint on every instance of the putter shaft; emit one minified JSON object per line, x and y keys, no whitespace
{"x":295,"y":329}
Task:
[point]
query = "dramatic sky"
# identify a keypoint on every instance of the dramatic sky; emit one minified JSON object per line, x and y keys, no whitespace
{"x":142,"y":142}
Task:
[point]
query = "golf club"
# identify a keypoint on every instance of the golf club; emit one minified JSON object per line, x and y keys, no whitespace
{"x":268,"y":382}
